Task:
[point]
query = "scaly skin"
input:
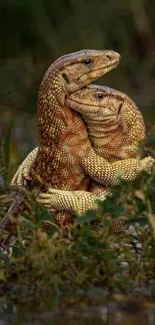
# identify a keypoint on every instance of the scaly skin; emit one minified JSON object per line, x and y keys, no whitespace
{"x":63,"y":137}
{"x":61,"y":129}
{"x":114,"y":123}
{"x":57,"y":123}
{"x":115,"y":127}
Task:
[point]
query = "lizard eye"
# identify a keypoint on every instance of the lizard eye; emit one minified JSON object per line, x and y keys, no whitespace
{"x":100,"y":95}
{"x":87,"y":61}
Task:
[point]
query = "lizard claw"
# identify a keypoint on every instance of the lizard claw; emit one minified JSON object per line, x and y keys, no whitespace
{"x":47,"y":198}
{"x":147,"y":164}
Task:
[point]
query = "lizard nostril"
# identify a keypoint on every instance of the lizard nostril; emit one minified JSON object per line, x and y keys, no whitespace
{"x":108,"y":56}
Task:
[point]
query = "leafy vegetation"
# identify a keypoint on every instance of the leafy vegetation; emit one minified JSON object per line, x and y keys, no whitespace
{"x":51,"y":265}
{"x":47,"y":266}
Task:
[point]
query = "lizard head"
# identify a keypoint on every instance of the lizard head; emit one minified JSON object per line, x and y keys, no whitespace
{"x":106,"y":110}
{"x":97,"y":104}
{"x":83,"y":67}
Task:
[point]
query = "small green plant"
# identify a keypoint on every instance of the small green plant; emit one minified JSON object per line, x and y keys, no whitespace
{"x":48,"y":264}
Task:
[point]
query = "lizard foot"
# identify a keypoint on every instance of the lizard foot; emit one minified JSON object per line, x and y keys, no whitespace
{"x":147,"y":164}
{"x":24,"y":169}
{"x":21,"y":177}
{"x":49,"y":198}
{"x":76,"y":202}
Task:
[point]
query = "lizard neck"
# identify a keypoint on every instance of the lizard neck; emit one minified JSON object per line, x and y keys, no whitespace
{"x":51,"y":109}
{"x":107,"y":140}
{"x":52,"y":125}
{"x":62,"y":134}
{"x":117,"y":138}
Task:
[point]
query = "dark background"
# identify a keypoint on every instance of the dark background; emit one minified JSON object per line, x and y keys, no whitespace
{"x":33,"y":33}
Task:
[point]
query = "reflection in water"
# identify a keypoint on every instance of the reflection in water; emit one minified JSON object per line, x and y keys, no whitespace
{"x":110,"y":315}
{"x":140,"y":318}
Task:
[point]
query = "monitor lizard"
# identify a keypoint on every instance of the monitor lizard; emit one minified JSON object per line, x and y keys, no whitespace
{"x":66,"y":75}
{"x":115,"y":127}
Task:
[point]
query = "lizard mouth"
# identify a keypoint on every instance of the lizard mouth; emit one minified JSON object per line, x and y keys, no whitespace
{"x":105,"y":69}
{"x":83,"y":108}
{"x":77,"y":104}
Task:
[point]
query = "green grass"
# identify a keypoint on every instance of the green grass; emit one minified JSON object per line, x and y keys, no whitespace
{"x":49,"y":267}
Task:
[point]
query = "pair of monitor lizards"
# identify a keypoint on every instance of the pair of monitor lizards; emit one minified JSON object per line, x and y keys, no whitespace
{"x":87,"y":135}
